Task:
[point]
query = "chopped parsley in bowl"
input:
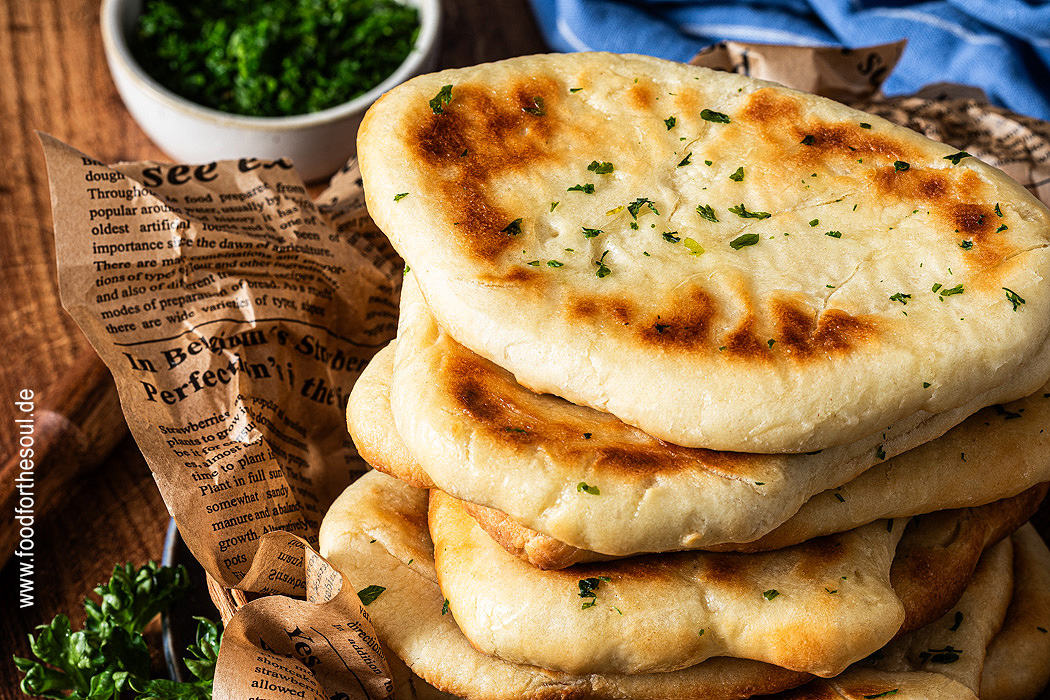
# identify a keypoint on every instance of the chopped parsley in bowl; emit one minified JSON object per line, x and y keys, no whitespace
{"x":272,"y":58}
{"x":264,"y":79}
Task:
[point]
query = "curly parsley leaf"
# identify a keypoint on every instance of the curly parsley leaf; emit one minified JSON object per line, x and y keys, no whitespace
{"x":637,"y":204}
{"x":603,"y":269}
{"x":743,"y":213}
{"x":441,"y":100}
{"x":744,"y":240}
{"x":1013,"y":297}
{"x":589,"y":589}
{"x":109,"y":657}
{"x":713,"y":116}
{"x":513,"y":228}
{"x":368,"y":594}
{"x":706,"y":211}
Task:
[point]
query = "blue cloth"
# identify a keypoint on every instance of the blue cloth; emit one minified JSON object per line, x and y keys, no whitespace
{"x":1000,"y":46}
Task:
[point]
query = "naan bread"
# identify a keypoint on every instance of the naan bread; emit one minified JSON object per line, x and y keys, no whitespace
{"x":1017,"y":665}
{"x":937,"y":556}
{"x":484,"y":438}
{"x":955,"y":645}
{"x":376,"y":534}
{"x":837,"y":598}
{"x":950,"y":472}
{"x":824,"y":272}
{"x":859,"y":683}
{"x":815,"y":608}
{"x":371,"y":423}
{"x":941,"y":661}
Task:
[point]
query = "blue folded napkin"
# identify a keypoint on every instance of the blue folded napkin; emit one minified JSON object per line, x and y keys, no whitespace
{"x":1000,"y":46}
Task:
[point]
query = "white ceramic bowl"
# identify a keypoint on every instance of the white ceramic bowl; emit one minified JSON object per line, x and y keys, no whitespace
{"x":318,"y":143}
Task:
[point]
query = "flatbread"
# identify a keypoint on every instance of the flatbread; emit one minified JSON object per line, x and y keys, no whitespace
{"x":949,"y":472}
{"x":376,"y":534}
{"x":838,"y":598}
{"x":815,"y":608}
{"x":484,"y":438}
{"x":938,"y":554}
{"x":955,"y":645}
{"x":1017,"y":665}
{"x":859,"y":683}
{"x":371,"y":423}
{"x":748,"y":346}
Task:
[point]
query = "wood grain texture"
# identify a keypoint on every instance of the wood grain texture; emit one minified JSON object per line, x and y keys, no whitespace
{"x":74,"y":428}
{"x":53,"y":78}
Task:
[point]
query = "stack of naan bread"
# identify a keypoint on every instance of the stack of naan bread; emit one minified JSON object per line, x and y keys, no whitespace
{"x":703,"y":387}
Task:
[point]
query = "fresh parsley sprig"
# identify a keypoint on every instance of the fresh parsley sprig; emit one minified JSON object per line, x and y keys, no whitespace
{"x":109,"y":659}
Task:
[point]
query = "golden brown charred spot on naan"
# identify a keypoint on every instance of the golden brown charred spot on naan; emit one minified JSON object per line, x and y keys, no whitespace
{"x":481,"y":134}
{"x":598,"y":309}
{"x":685,"y":324}
{"x":779,"y":119}
{"x":952,"y":197}
{"x":940,"y":551}
{"x":513,"y":416}
{"x":523,"y":276}
{"x":414,"y":518}
{"x":770,"y":109}
{"x":687,"y":102}
{"x":730,"y":570}
{"x":689,"y":320}
{"x":812,"y":559}
{"x":847,"y":142}
{"x":802,"y":333}
{"x":658,"y":568}
{"x":640,"y":96}
{"x":742,"y":342}
{"x":960,"y":201}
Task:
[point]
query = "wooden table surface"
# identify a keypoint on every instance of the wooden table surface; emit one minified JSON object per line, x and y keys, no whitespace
{"x":53,"y":78}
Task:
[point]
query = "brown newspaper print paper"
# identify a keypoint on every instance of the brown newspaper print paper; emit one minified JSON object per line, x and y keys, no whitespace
{"x":235,"y":314}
